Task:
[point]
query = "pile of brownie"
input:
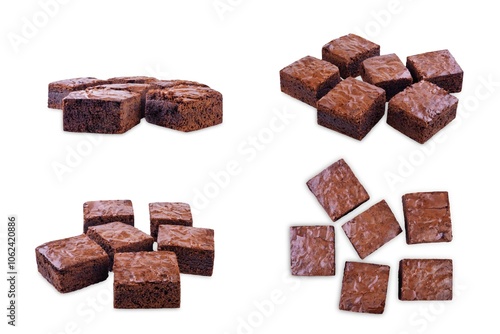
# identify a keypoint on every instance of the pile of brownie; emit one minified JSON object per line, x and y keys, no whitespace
{"x":418,"y":94}
{"x":143,"y":278}
{"x":364,"y":285}
{"x":118,"y":104}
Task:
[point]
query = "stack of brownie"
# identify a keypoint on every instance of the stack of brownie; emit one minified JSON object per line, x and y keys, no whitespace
{"x":418,"y":94}
{"x":118,"y":104}
{"x":143,"y":278}
{"x":364,"y":285}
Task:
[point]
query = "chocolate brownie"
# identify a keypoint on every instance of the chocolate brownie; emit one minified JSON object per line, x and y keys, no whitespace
{"x":348,"y":52}
{"x":387,"y":72}
{"x":60,"y":89}
{"x":364,"y":287}
{"x":421,"y":110}
{"x":118,"y":237}
{"x":140,"y":89}
{"x":101,"y":111}
{"x":372,"y":229}
{"x":427,"y":217}
{"x":312,"y":250}
{"x":146,"y":280}
{"x":193,"y":246}
{"x":102,"y":212}
{"x":173,"y":83}
{"x":309,"y":79}
{"x":184,"y":107}
{"x":133,"y":79}
{"x":168,"y":213}
{"x":352,"y":108}
{"x":338,"y":190}
{"x":425,"y":279}
{"x":438,"y":67}
{"x":72,"y":263}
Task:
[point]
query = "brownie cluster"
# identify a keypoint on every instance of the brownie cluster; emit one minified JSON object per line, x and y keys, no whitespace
{"x":364,"y":285}
{"x":143,"y":278}
{"x":418,"y":94}
{"x":118,"y":104}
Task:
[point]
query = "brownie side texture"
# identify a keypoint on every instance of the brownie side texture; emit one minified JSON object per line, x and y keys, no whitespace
{"x":117,"y":237}
{"x":309,"y":79}
{"x":172,"y":213}
{"x":101,"y":111}
{"x":338,"y":190}
{"x":352,"y":108}
{"x":425,"y":279}
{"x":312,"y":250}
{"x":421,"y":110}
{"x":193,"y":246}
{"x":146,"y":280}
{"x":108,"y":211}
{"x":72,"y":263}
{"x":348,"y":52}
{"x":58,"y":90}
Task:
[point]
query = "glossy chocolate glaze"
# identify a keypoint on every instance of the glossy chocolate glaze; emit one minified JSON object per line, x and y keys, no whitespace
{"x":186,"y":237}
{"x":119,"y":235}
{"x":364,"y":287}
{"x":426,"y":279}
{"x":95,"y":209}
{"x":311,"y":71}
{"x":384,"y":68}
{"x":145,"y":267}
{"x":171,"y":211}
{"x":432,"y":64}
{"x":101,"y":94}
{"x":372,"y":229}
{"x":75,"y":84}
{"x":312,"y":250}
{"x":349,"y":46}
{"x":338,"y":190}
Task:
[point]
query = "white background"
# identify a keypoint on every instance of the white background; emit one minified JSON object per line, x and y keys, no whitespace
{"x":240,"y":53}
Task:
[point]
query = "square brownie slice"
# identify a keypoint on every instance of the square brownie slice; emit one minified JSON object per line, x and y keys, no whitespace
{"x":118,"y":237}
{"x":372,"y":229}
{"x":58,"y":90}
{"x":348,"y":52}
{"x":101,"y":111}
{"x":438,"y":67}
{"x":146,"y":280}
{"x":72,"y":263}
{"x":427,"y":217}
{"x":387,"y":72}
{"x":352,"y":108}
{"x":193,"y":246}
{"x":309,"y":79}
{"x":338,"y":190}
{"x":138,"y":88}
{"x":171,"y":213}
{"x":364,"y":287}
{"x":312,"y":250}
{"x":140,"y":79}
{"x":102,"y":212}
{"x":421,"y":110}
{"x":184,"y":107}
{"x":425,"y":279}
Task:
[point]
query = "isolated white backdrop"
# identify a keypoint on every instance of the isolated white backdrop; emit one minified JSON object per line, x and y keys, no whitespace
{"x":269,"y":141}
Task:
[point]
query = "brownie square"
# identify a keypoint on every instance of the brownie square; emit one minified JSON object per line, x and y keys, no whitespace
{"x":348,"y":52}
{"x":425,"y":279}
{"x":58,"y":90}
{"x":133,"y":79}
{"x":193,"y":246}
{"x":312,"y":250}
{"x":101,"y":111}
{"x":172,"y":83}
{"x":372,"y":229}
{"x":421,"y":110}
{"x":309,"y":79}
{"x":352,"y":108}
{"x":338,"y":190}
{"x":427,"y":217}
{"x":364,"y":287}
{"x":146,"y":280}
{"x":102,"y":212}
{"x":138,"y":88}
{"x":438,"y":67}
{"x":72,"y":263}
{"x":387,"y":72}
{"x":171,"y":213}
{"x":118,"y":237}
